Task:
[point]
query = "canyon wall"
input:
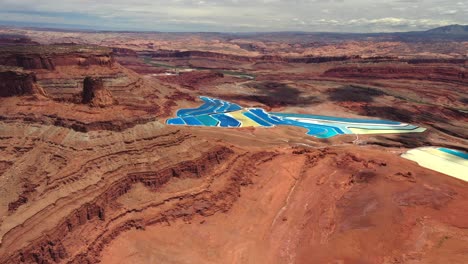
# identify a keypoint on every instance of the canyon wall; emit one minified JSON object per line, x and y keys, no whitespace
{"x":140,"y":162}
{"x":14,"y":82}
{"x":426,"y":72}
{"x":50,"y":57}
{"x":229,"y":57}
{"x":60,"y":72}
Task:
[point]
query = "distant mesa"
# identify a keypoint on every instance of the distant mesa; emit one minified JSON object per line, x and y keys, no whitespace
{"x":451,"y":29}
{"x":95,"y":94}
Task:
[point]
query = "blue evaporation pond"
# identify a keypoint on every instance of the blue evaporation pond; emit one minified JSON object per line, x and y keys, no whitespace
{"x":209,"y":110}
{"x":454,"y":152}
{"x":317,"y":130}
{"x":207,"y":103}
{"x":226,"y":121}
{"x":327,"y":134}
{"x":321,"y":131}
{"x":263,"y":115}
{"x":192,"y":121}
{"x":233,"y":107}
{"x":209,"y":106}
{"x":207,"y":120}
{"x":257,"y":119}
{"x":339,"y":119}
{"x":223,"y":108}
{"x":214,"y":112}
{"x":176,"y":121}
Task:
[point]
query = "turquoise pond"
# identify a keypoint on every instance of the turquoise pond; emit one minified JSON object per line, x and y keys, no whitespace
{"x":219,"y":113}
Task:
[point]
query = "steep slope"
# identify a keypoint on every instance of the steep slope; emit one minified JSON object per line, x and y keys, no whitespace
{"x":15,"y":82}
{"x":87,"y":196}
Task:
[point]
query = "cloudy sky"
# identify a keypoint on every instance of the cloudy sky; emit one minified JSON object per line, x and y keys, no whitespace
{"x":237,"y":15}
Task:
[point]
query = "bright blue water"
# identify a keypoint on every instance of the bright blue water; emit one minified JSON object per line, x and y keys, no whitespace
{"x":176,"y":121}
{"x":192,"y":121}
{"x":185,"y":112}
{"x":263,"y":115}
{"x":226,"y":121}
{"x":223,"y":108}
{"x":339,"y":119}
{"x":208,"y":110}
{"x":234,"y":107}
{"x":214,"y":109}
{"x":209,"y":106}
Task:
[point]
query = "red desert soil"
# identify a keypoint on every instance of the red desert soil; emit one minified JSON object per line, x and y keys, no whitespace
{"x":321,"y":206}
{"x":90,"y":173}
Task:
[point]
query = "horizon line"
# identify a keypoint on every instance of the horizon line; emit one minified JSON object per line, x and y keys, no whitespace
{"x":82,"y":28}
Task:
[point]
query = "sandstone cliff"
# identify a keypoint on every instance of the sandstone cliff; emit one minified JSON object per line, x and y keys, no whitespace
{"x":426,"y":72}
{"x":95,"y":94}
{"x":48,"y":57}
{"x":124,"y":52}
{"x":14,"y":82}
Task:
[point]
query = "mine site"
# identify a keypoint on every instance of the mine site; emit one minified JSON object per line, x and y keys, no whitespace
{"x":231,"y":146}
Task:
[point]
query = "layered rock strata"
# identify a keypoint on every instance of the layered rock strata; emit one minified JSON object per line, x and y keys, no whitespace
{"x":15,"y":82}
{"x":95,"y":94}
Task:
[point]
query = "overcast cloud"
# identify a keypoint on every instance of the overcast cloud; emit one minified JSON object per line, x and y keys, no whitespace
{"x":239,"y":15}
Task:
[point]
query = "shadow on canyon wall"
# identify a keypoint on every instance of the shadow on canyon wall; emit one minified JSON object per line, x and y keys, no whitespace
{"x":351,"y":93}
{"x":276,"y":94}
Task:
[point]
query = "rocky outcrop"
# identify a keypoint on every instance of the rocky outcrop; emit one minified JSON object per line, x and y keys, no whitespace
{"x":95,"y":94}
{"x":436,"y":60}
{"x":272,"y":58}
{"x":15,"y":82}
{"x":49,"y":62}
{"x":134,"y":99}
{"x":103,"y":214}
{"x":48,"y":57}
{"x":79,"y":125}
{"x":31,"y":62}
{"x":124,"y":52}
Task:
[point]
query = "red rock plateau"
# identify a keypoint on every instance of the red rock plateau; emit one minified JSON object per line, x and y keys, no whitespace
{"x":90,"y":173}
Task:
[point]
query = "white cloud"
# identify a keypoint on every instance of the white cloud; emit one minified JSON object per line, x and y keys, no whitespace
{"x":241,"y":15}
{"x":449,"y":12}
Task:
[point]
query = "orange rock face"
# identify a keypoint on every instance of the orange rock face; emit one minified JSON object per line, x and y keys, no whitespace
{"x":435,"y":73}
{"x":16,"y":82}
{"x":95,"y":94}
{"x":50,"y":57}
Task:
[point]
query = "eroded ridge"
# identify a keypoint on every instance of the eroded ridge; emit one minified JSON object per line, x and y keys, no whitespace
{"x":74,"y":200}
